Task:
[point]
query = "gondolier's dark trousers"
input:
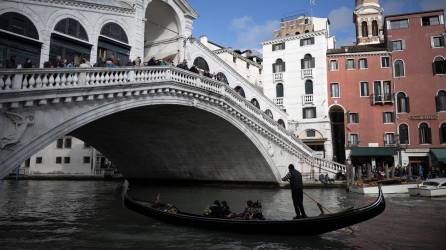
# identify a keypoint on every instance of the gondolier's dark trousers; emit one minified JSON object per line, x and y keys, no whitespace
{"x":298,"y":197}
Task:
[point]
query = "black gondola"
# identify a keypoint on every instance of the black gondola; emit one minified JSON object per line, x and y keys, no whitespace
{"x":305,"y":226}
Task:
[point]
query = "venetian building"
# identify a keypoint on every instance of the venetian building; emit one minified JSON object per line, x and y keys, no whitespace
{"x":368,"y":19}
{"x":121,"y":29}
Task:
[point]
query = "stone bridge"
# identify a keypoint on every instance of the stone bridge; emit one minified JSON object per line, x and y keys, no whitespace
{"x":152,"y":122}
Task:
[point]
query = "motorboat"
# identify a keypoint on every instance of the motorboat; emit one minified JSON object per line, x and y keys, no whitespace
{"x":429,"y":188}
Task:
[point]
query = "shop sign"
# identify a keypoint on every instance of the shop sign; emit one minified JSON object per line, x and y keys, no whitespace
{"x":424,"y":117}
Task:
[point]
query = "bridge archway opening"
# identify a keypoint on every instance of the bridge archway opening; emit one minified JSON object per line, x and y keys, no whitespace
{"x":240,"y":91}
{"x":162,"y":31}
{"x":338,"y":135}
{"x":201,"y":63}
{"x":113,"y":43}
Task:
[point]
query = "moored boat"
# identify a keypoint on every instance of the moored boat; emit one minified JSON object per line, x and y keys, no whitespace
{"x":429,"y":188}
{"x":304,"y":226}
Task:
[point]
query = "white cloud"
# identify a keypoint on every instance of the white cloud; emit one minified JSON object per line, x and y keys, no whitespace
{"x":433,"y":4}
{"x":341,"y":19}
{"x":250,"y":34}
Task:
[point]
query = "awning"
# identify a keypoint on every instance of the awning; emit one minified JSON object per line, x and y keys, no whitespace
{"x":439,"y":154}
{"x":373,"y":151}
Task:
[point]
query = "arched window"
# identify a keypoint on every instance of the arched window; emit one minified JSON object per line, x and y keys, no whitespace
{"x":365,"y":29}
{"x":221,"y":77}
{"x":113,"y":30}
{"x":279,"y":90}
{"x":240,"y":91}
{"x":404,"y":133}
{"x":18,"y":24}
{"x":281,"y":123}
{"x":255,"y":103}
{"x":425,"y":133}
{"x":375,"y":28}
{"x":308,"y":87}
{"x":402,"y":103}
{"x":279,"y":66}
{"x":307,"y":31}
{"x":398,"y":68}
{"x":269,"y":113}
{"x":439,"y":65}
{"x":440,"y":101}
{"x":71,"y":27}
{"x":297,"y":33}
{"x":307,"y":62}
{"x":443,"y":133}
{"x":200,"y":63}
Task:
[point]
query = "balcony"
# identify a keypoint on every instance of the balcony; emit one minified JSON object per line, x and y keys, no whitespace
{"x":307,"y":99}
{"x":278,"y":77}
{"x":279,"y":102}
{"x":306,"y":73}
{"x":382,"y":99}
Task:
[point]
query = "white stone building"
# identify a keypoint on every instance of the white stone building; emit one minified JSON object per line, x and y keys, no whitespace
{"x":295,"y":77}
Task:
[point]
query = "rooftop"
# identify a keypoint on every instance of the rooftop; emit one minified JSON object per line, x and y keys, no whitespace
{"x":358,"y":49}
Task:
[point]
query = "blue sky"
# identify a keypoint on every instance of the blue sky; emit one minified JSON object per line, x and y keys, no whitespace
{"x":245,"y":23}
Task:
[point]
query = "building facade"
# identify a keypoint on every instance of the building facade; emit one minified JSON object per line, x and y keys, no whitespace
{"x":294,"y":76}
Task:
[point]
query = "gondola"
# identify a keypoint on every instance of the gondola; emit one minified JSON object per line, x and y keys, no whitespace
{"x":304,"y":226}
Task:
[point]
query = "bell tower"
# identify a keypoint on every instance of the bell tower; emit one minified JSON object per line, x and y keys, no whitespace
{"x":368,"y":19}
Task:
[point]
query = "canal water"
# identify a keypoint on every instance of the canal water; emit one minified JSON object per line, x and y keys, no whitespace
{"x":89,"y":215}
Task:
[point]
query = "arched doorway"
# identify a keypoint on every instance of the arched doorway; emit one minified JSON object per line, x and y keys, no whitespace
{"x":19,"y":40}
{"x":69,"y":41}
{"x":113,"y":43}
{"x":162,"y":32}
{"x":338,"y":133}
{"x":200,"y":63}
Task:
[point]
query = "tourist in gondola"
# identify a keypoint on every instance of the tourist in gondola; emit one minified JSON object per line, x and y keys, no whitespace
{"x":295,"y":179}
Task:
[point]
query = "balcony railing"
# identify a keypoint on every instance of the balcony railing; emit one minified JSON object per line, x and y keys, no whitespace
{"x":279,"y":102}
{"x":382,"y":99}
{"x":307,"y":99}
{"x":307,"y":73}
{"x":278,"y":77}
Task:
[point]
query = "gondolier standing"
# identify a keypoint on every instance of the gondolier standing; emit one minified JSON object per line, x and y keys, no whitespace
{"x":295,"y":179}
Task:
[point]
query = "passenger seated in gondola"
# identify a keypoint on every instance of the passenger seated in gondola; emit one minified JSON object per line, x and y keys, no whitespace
{"x":257,"y":211}
{"x":169,"y":208}
{"x":227,"y":211}
{"x":248,"y":213}
{"x":214,"y":210}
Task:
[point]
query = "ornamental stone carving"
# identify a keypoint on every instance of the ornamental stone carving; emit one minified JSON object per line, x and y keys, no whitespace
{"x":12,"y":127}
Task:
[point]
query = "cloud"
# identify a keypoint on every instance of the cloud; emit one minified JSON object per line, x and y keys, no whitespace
{"x":341,"y":19}
{"x":394,"y":6}
{"x":433,"y":4}
{"x":250,"y":34}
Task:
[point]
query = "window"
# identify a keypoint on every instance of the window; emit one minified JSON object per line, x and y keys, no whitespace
{"x":353,"y":117}
{"x":114,"y":31}
{"x":59,"y":143}
{"x":385,"y":62}
{"x":334,"y":90}
{"x":363,"y":63}
{"x":66,"y":160}
{"x":311,"y":133}
{"x":278,"y":46}
{"x":365,"y":89}
{"x":28,"y":162}
{"x":309,"y":113}
{"x":439,"y":66}
{"x":430,"y":20}
{"x":279,"y":66}
{"x":382,"y":91}
{"x":440,"y":101}
{"x":389,"y":139}
{"x":402,"y":103}
{"x":39,"y":160}
{"x":398,"y":69}
{"x":388,"y":117}
{"x":240,"y":91}
{"x":200,"y":63}
{"x":399,"y":24}
{"x":443,"y":133}
{"x":353,"y":139}
{"x":307,"y":41}
{"x":364,"y":29}
{"x":58,"y":160}
{"x":333,"y":65}
{"x":425,"y":134}
{"x":269,"y":113}
{"x":18,"y":24}
{"x":72,"y":28}
{"x":67,"y":143}
{"x":398,"y":45}
{"x":375,"y":28}
{"x":86,"y":159}
{"x":308,"y":87}
{"x":307,"y":62}
{"x":279,"y":90}
{"x":350,"y":64}
{"x":255,"y":103}
{"x":437,"y":42}
{"x":404,"y":133}
{"x":234,"y":59}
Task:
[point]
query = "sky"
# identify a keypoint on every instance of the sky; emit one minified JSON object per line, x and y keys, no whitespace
{"x":244,"y":24}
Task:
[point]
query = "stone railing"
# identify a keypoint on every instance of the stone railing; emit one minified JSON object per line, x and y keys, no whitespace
{"x":278,"y":77}
{"x":307,"y":73}
{"x":307,"y":99}
{"x":28,"y":84}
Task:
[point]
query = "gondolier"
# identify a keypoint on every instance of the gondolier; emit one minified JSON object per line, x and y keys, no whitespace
{"x":296,"y":185}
